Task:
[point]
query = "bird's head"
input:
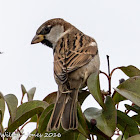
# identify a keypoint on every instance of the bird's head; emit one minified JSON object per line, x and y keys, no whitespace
{"x":51,"y":31}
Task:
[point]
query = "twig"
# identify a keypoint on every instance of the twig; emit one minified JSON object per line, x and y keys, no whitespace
{"x":109,"y":76}
{"x":104,"y":74}
{"x":109,"y":79}
{"x":117,"y":105}
{"x":108,"y":63}
{"x":24,"y":125}
{"x":113,"y":71}
{"x":37,"y":124}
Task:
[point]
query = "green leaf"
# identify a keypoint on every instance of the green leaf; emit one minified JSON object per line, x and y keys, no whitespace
{"x":26,"y":111}
{"x":82,"y":95}
{"x":2,"y":107}
{"x":126,"y":123}
{"x":136,"y":137}
{"x":1,"y":130}
{"x":100,"y":137}
{"x":136,"y":118}
{"x":72,"y":135}
{"x":82,"y":125}
{"x":81,"y":137}
{"x":130,"y":70}
{"x":1,"y":126}
{"x":94,"y":88}
{"x":30,"y":94}
{"x":130,"y":89}
{"x":0,"y":116}
{"x":24,"y":91}
{"x":133,"y":108}
{"x":12,"y":103}
{"x":120,"y":138}
{"x":106,"y":118}
{"x":51,"y":98}
{"x":34,"y":118}
{"x":51,"y":136}
{"x":67,"y":135}
{"x":31,"y":135}
{"x":117,"y":97}
{"x":44,"y":118}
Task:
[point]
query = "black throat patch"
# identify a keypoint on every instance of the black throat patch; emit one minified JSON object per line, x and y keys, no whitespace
{"x":47,"y":43}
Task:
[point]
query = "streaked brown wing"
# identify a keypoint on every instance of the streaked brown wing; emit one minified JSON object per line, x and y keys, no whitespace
{"x":73,"y":58}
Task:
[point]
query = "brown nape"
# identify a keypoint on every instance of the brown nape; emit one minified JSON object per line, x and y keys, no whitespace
{"x":53,"y":22}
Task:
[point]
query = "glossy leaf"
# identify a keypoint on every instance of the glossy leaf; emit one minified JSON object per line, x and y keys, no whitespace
{"x":126,"y":123}
{"x":133,"y":108}
{"x":0,"y":116}
{"x":120,"y":138}
{"x":12,"y":103}
{"x":34,"y":118}
{"x":117,"y":97}
{"x":82,"y":125}
{"x":81,"y":137}
{"x":73,"y":135}
{"x":130,"y":89}
{"x":51,"y":98}
{"x":68,"y":135}
{"x":136,"y":137}
{"x":106,"y":118}
{"x":44,"y":118}
{"x":30,"y":94}
{"x":1,"y":126}
{"x":24,"y":91}
{"x":2,"y":106}
{"x":82,"y":95}
{"x":130,"y":70}
{"x":94,"y":88}
{"x":100,"y":137}
{"x":1,"y":130}
{"x":136,"y":118}
{"x":26,"y":111}
{"x":30,"y":136}
{"x":50,"y":136}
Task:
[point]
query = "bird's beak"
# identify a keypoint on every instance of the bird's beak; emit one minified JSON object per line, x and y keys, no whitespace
{"x":37,"y":39}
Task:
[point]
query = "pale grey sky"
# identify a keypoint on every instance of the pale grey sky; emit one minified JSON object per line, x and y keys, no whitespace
{"x":115,"y":25}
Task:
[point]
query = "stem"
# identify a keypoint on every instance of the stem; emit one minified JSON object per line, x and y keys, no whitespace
{"x":22,"y":99}
{"x":37,"y":124}
{"x":109,"y":79}
{"x":108,"y":64}
{"x":104,"y":74}
{"x":113,"y":71}
{"x":24,"y":125}
{"x":117,"y":105}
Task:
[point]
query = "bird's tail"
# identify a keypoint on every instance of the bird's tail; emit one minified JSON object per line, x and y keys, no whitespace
{"x":64,"y":112}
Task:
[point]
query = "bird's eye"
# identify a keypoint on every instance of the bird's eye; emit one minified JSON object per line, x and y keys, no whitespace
{"x":46,"y":30}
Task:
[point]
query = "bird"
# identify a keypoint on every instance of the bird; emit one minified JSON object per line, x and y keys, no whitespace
{"x":76,"y":57}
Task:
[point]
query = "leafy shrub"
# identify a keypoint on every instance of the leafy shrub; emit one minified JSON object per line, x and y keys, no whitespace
{"x":103,"y":123}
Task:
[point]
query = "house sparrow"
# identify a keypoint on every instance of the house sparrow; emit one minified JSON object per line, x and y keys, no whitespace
{"x":75,"y":59}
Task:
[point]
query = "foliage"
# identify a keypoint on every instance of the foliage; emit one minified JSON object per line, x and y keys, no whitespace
{"x":102,"y":123}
